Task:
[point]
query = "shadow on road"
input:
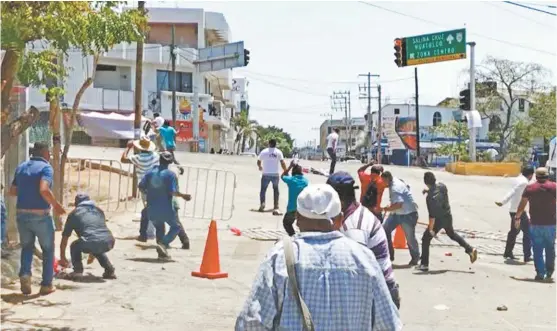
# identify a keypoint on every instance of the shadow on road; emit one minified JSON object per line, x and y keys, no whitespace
{"x":439,"y":272}
{"x":150,"y":260}
{"x":514,"y":262}
{"x":17,"y":298}
{"x":87,"y":278}
{"x":401,"y":266}
{"x":532,"y":280}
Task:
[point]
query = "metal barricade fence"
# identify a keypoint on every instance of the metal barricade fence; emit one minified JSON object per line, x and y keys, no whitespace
{"x":212,"y":192}
{"x":103,"y":180}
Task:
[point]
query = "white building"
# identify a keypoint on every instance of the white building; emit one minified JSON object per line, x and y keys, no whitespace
{"x":114,"y":84}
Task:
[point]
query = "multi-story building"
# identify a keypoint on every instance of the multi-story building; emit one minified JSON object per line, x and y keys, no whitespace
{"x":114,"y":84}
{"x":348,"y":135}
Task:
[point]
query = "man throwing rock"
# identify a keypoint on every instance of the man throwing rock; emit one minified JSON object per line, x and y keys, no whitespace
{"x":332,"y":142}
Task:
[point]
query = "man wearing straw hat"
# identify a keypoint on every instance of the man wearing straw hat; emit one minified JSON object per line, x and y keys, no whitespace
{"x":307,"y":280}
{"x":144,"y":161}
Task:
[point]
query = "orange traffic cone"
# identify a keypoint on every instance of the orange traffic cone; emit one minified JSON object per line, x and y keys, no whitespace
{"x":400,"y":240}
{"x":210,"y":266}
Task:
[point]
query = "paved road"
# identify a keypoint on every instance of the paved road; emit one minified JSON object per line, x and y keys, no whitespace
{"x":152,"y":296}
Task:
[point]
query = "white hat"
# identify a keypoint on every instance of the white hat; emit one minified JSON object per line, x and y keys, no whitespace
{"x":319,"y":201}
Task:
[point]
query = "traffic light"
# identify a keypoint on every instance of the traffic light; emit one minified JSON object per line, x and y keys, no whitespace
{"x":246,"y":57}
{"x":465,"y":99}
{"x":400,"y":52}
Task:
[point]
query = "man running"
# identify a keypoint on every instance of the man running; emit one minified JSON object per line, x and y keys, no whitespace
{"x":361,"y":225}
{"x":160,"y":185}
{"x":403,"y":211}
{"x":296,"y":183}
{"x":168,"y":137}
{"x":541,"y":196}
{"x":332,"y":141}
{"x":514,"y":197}
{"x":440,"y":217}
{"x":268,"y":163}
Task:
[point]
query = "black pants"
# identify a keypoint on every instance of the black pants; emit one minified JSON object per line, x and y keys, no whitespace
{"x":333,"y":157}
{"x":288,"y":222}
{"x":97,"y":249}
{"x":447,"y":224}
{"x":513,"y":232}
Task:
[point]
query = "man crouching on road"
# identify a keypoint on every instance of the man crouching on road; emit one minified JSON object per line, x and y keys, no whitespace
{"x":89,"y":223}
{"x":161,"y":185}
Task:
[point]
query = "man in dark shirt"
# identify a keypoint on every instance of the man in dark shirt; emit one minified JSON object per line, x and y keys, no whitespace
{"x":89,"y":223}
{"x":440,"y":217}
{"x":541,"y":196}
{"x":161,"y":185}
{"x":32,"y":186}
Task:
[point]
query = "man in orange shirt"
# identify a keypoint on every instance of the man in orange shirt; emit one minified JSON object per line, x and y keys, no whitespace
{"x":371,"y":197}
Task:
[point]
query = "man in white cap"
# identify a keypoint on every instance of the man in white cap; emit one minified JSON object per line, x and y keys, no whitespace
{"x":341,"y":285}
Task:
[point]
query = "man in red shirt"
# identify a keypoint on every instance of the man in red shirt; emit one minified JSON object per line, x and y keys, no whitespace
{"x":365,"y":180}
{"x":541,"y":196}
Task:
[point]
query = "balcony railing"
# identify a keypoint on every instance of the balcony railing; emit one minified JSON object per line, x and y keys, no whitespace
{"x":152,"y":53}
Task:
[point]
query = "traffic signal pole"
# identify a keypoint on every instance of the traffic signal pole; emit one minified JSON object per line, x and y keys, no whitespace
{"x":472,"y":147}
{"x":417,"y":117}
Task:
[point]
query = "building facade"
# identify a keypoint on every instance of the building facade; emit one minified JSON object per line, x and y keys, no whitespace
{"x":114,"y":84}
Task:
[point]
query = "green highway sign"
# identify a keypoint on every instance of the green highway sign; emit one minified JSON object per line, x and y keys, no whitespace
{"x":435,"y":47}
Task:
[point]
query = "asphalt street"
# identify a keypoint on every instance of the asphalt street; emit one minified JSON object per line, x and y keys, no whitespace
{"x":148,"y":295}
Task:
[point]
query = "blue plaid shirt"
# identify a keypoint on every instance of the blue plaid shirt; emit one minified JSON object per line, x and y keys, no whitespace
{"x":339,"y":279}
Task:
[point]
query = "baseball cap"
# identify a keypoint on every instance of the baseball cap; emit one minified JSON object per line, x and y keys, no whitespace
{"x":341,"y":178}
{"x":319,"y":201}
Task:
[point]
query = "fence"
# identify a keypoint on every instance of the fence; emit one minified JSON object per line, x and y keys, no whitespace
{"x":109,"y":183}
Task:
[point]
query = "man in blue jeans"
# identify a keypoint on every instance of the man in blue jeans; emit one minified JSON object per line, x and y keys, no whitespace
{"x":403,"y":211}
{"x":541,"y":196}
{"x":161,"y":185}
{"x":268,"y":164}
{"x":32,"y":186}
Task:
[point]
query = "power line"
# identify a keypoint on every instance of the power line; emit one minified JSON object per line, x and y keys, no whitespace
{"x":540,"y":5}
{"x":472,"y":33}
{"x":530,"y":8}
{"x":323,"y":105}
{"x":322,"y":82}
{"x":521,"y":16}
{"x":289,"y":88}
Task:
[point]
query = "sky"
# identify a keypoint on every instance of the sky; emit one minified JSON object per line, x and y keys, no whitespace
{"x":300,"y":52}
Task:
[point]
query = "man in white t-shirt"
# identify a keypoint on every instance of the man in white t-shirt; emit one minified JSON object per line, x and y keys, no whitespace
{"x":551,"y":163}
{"x":332,"y":141}
{"x":154,"y":135}
{"x":268,"y":164}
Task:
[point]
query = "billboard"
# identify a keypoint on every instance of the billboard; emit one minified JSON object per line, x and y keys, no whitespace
{"x":185,"y":130}
{"x":400,"y":132}
{"x":184,"y":104}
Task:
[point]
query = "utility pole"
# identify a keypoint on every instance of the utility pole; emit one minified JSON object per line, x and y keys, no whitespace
{"x":138,"y":92}
{"x":173,"y":58}
{"x":341,"y":102}
{"x":368,"y":96}
{"x":472,"y":127}
{"x":417,"y":117}
{"x":379,"y":126}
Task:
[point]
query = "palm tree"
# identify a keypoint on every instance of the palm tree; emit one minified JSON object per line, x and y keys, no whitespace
{"x":245,"y":130}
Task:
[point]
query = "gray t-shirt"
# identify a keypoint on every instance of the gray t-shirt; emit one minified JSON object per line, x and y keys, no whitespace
{"x":89,"y":223}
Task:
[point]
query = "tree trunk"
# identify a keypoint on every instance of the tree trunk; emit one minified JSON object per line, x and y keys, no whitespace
{"x":56,"y":151}
{"x":8,"y":74}
{"x":243,"y":143}
{"x":68,"y":129}
{"x":12,"y":130}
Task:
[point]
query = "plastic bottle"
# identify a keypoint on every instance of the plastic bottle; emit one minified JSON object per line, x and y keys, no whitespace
{"x":234,"y":230}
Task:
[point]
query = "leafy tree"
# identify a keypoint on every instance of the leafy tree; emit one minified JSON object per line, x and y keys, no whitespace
{"x":515,"y":80}
{"x":456,"y":149}
{"x":62,"y":27}
{"x":284,"y":140}
{"x":542,"y":115}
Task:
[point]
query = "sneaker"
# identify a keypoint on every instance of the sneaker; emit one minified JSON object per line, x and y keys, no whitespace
{"x":549,"y":275}
{"x":25,"y":282}
{"x":261,"y":208}
{"x":276,"y":212}
{"x":539,"y":278}
{"x":528,"y":259}
{"x":186,"y":244}
{"x":109,"y":274}
{"x":413,"y":262}
{"x":141,"y":239}
{"x":162,"y":251}
{"x":509,"y":257}
{"x":422,"y":267}
{"x":473,"y":255}
{"x":46,"y":290}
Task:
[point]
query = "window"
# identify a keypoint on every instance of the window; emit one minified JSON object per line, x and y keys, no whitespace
{"x":521,"y":104}
{"x":397,"y":111}
{"x":437,"y":118}
{"x":165,"y":81}
{"x":104,"y":67}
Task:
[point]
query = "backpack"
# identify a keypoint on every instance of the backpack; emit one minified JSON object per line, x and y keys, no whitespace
{"x":369,"y":200}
